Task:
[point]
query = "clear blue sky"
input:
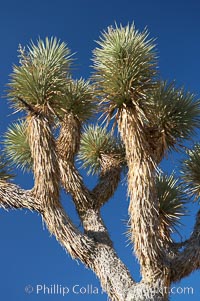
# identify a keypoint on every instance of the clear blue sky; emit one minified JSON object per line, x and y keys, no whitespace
{"x":28,"y":255}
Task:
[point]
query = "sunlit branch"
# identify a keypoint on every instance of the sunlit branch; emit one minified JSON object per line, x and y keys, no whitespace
{"x":188,"y":260}
{"x":69,"y":138}
{"x":13,"y":197}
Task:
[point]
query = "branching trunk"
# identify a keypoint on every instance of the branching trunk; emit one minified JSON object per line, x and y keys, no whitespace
{"x":78,"y":245}
{"x":98,"y":256}
{"x":73,"y":184}
{"x":85,"y":204}
{"x":54,"y":163}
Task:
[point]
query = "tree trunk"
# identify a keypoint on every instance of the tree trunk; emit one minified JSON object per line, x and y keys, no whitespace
{"x":143,"y":207}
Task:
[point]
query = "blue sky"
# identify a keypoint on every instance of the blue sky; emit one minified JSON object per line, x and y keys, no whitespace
{"x":28,"y":255}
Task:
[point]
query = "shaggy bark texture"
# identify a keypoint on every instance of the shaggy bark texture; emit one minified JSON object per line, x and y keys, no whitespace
{"x":69,"y":139}
{"x":108,"y":180}
{"x":102,"y":259}
{"x":187,"y":260}
{"x":13,"y":197}
{"x":45,"y":162}
{"x":99,"y":256}
{"x":53,"y":165}
{"x":144,"y":207}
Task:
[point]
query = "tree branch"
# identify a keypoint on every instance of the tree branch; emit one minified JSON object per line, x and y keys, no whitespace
{"x":67,"y":146}
{"x":143,"y":207}
{"x":57,"y":221}
{"x":12,"y":196}
{"x":78,"y":245}
{"x":45,"y":161}
{"x":101,"y":258}
{"x":69,"y":138}
{"x":84,"y":202}
{"x":187,"y":260}
{"x":73,"y":184}
{"x":91,"y":251}
{"x":108,"y":180}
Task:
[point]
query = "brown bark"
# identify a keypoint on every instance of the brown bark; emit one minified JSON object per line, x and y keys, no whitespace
{"x":187,"y":260}
{"x":13,"y":197}
{"x":143,"y":207}
{"x":94,"y":248}
{"x":69,"y":139}
{"x":45,"y":162}
{"x":108,"y":180}
{"x":98,"y":256}
{"x":101,"y":258}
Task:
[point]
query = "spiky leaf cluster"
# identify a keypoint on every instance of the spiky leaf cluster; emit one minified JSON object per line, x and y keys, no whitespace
{"x":16,"y":146}
{"x":125,"y":64}
{"x":96,"y":141}
{"x":172,"y":199}
{"x":78,"y":99}
{"x":191,"y":171}
{"x":173,"y":112}
{"x":41,"y":76}
{"x":5,"y":170}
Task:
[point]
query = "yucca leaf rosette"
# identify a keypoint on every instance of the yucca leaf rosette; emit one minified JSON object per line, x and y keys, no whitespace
{"x":96,"y":142}
{"x":125,"y":67}
{"x":78,"y":99}
{"x":172,"y":200}
{"x":172,"y":205}
{"x":5,"y":169}
{"x":173,"y":113}
{"x":191,"y":171}
{"x":40,"y":78}
{"x":16,"y":146}
{"x":77,"y":108}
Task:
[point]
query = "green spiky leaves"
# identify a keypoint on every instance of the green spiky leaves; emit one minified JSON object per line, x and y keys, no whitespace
{"x":172,"y":199}
{"x":78,"y":99}
{"x":125,"y":65}
{"x":5,"y":169}
{"x":42,"y":82}
{"x":174,"y":113}
{"x":191,"y":171}
{"x":40,"y":78}
{"x":16,"y":146}
{"x":95,"y":142}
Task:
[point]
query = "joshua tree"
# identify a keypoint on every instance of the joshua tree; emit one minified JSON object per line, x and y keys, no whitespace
{"x":152,"y":117}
